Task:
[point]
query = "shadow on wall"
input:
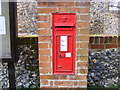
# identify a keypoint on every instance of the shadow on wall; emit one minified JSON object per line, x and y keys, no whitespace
{"x":27,"y":69}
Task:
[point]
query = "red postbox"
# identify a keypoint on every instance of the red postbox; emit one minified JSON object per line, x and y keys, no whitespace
{"x":64,"y":43}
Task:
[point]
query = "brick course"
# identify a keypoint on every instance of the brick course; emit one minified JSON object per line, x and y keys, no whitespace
{"x":104,"y":42}
{"x":47,"y":79}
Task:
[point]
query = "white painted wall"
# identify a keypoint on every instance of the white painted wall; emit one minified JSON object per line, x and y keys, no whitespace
{"x":5,"y":48}
{"x":0,"y":8}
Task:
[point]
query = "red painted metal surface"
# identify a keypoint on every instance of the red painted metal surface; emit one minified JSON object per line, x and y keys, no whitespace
{"x":64,"y":43}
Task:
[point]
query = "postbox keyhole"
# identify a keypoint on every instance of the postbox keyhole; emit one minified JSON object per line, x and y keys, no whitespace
{"x":60,"y":56}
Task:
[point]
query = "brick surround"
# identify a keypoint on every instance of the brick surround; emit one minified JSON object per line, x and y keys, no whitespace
{"x":47,"y":79}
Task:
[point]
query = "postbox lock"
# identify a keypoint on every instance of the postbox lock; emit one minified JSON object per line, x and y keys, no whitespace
{"x":62,"y":55}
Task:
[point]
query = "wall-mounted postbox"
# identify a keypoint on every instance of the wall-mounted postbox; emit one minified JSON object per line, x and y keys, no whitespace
{"x":64,"y":43}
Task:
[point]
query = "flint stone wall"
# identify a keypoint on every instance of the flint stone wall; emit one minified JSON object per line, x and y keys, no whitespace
{"x":104,"y":68}
{"x":102,"y":21}
{"x":26,"y":69}
{"x":27,"y":17}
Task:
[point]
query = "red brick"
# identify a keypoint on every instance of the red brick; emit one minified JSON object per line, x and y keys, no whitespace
{"x":43,"y":58}
{"x":82,"y":64}
{"x":63,"y":77}
{"x":119,"y":39}
{"x":115,"y":40}
{"x":110,"y":39}
{"x":48,"y":76}
{"x":50,"y":45}
{"x":84,"y":10}
{"x":96,"y":40}
{"x":81,"y":77}
{"x":45,"y":64}
{"x":46,"y":4}
{"x":63,"y":9}
{"x":64,"y":4}
{"x":80,"y":10}
{"x":78,"y":77}
{"x":44,"y":82}
{"x":44,"y":32}
{"x":89,"y":46}
{"x":47,"y":87}
{"x":83,"y":71}
{"x":106,"y":40}
{"x":84,"y":45}
{"x":43,"y":25}
{"x":83,"y":24}
{"x":47,"y":10}
{"x":82,"y":83}
{"x":42,"y":4}
{"x":91,"y":40}
{"x":82,"y":4}
{"x":44,"y":52}
{"x":63,"y":83}
{"x":99,"y":46}
{"x":83,"y":31}
{"x":45,"y":70}
{"x":44,"y":38}
{"x":82,"y":38}
{"x":75,"y":9}
{"x":111,"y":46}
{"x":82,"y":58}
{"x":75,"y":83}
{"x":82,"y":51}
{"x":43,"y":45}
{"x":49,"y":18}
{"x":51,"y":58}
{"x":102,"y":40}
{"x":51,"y":83}
{"x":83,"y":17}
{"x":42,"y":17}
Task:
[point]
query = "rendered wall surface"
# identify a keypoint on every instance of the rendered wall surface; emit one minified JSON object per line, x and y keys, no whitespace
{"x":5,"y":45}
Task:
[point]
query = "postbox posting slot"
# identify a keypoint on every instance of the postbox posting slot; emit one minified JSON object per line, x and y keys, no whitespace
{"x":64,"y":26}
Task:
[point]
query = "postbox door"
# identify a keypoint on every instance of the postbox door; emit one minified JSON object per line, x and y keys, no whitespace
{"x":64,"y":53}
{"x":64,"y":32}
